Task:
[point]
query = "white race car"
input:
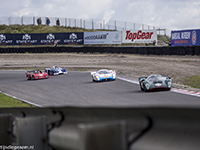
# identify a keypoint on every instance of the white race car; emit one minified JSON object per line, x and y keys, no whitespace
{"x":103,"y":75}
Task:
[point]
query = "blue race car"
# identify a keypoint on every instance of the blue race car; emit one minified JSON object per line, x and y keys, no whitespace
{"x":56,"y":70}
{"x":103,"y":75}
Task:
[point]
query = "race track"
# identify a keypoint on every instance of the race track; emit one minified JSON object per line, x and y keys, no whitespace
{"x":77,"y":89}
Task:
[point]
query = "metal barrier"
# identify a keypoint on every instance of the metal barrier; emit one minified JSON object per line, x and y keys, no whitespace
{"x":67,"y":128}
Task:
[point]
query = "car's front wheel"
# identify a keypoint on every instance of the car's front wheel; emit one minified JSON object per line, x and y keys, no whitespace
{"x":141,"y":87}
{"x":145,"y":89}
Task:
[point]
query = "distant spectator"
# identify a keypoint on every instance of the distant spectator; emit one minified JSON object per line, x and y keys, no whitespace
{"x":55,"y":43}
{"x":58,"y":22}
{"x":154,"y":42}
{"x":47,"y":21}
{"x":39,"y":21}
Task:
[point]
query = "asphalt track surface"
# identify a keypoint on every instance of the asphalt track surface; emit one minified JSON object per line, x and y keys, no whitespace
{"x":77,"y":89}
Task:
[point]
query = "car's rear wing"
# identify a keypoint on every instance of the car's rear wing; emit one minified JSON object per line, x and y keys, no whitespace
{"x":30,"y":71}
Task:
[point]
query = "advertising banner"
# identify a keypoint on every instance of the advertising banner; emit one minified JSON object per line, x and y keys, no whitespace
{"x":185,"y":38}
{"x":102,"y":37}
{"x":139,"y":36}
{"x":41,"y":39}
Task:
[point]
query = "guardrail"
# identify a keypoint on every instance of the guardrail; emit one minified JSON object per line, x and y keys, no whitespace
{"x":66,"y":128}
{"x":150,"y":50}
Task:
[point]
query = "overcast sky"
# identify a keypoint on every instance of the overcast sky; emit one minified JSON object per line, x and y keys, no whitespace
{"x":170,"y":14}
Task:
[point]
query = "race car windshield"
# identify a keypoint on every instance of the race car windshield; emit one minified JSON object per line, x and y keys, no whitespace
{"x":154,"y":77}
{"x":103,"y":72}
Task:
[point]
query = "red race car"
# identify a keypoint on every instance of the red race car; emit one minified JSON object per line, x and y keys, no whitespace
{"x":36,"y":74}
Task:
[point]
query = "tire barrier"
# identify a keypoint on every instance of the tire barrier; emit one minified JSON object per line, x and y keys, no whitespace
{"x":178,"y":50}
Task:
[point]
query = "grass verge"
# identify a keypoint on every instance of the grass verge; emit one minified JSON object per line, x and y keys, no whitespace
{"x":7,"y":101}
{"x":193,"y":81}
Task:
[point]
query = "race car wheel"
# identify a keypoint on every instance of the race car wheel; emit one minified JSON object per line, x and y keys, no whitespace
{"x":51,"y":73}
{"x":46,"y":76}
{"x":33,"y":77}
{"x":145,"y":89}
{"x":141,"y":87}
{"x":168,"y":89}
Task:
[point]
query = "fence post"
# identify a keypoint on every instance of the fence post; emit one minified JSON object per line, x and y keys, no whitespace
{"x":33,"y":20}
{"x":22,"y":20}
{"x":9,"y":20}
{"x":115,"y":25}
{"x":75,"y":22}
{"x":83,"y":24}
{"x":80,"y":23}
{"x":92,"y":25}
{"x":125,"y":25}
{"x":65,"y":22}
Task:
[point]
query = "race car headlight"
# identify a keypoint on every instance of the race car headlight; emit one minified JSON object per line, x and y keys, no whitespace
{"x":98,"y":78}
{"x":147,"y":86}
{"x":169,"y":84}
{"x":114,"y":75}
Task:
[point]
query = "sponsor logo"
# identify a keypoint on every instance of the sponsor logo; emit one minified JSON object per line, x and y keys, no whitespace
{"x":2,"y":37}
{"x":26,"y":40}
{"x":73,"y":39}
{"x":176,"y":36}
{"x":26,"y":37}
{"x":194,"y":37}
{"x":50,"y":37}
{"x":73,"y":36}
{"x":185,"y":35}
{"x":3,"y":40}
{"x":98,"y":37}
{"x":116,"y":36}
{"x":138,"y":35}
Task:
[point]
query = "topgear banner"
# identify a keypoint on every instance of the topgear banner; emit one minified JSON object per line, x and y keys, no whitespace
{"x":139,"y":36}
{"x":185,"y":38}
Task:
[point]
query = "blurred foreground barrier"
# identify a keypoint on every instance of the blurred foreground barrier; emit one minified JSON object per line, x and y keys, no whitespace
{"x":71,"y":128}
{"x":178,"y":50}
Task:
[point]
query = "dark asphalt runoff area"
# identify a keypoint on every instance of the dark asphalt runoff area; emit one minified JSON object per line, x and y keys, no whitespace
{"x":77,"y":89}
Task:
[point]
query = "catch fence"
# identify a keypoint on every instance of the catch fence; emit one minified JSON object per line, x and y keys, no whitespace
{"x":93,"y":24}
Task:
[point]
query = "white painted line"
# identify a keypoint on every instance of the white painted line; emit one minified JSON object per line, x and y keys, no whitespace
{"x":181,"y":91}
{"x":25,"y":101}
{"x":128,"y":80}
